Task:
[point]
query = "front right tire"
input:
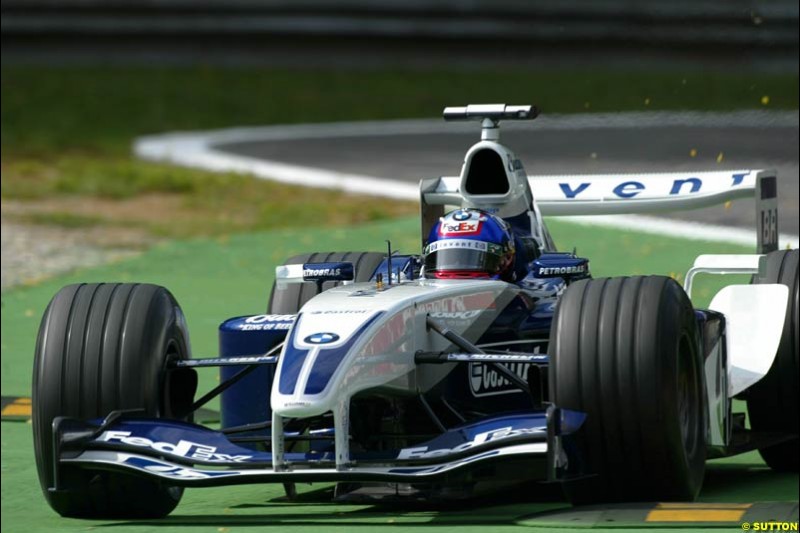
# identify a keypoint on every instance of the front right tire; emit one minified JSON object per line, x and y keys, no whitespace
{"x":625,"y":351}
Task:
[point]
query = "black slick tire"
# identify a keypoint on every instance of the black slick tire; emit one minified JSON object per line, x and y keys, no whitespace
{"x":625,"y":351}
{"x":772,"y":403}
{"x":104,"y":347}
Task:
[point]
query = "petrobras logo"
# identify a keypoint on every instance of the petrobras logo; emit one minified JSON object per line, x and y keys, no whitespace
{"x":343,"y":271}
{"x":561,"y":270}
{"x":183,"y":448}
{"x":317,"y":272}
{"x":486,"y":381}
{"x":424,"y":452}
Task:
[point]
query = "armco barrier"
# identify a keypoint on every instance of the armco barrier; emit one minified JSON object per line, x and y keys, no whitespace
{"x":768,"y":24}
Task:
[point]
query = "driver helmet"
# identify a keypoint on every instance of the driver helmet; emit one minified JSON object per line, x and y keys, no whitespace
{"x":470,"y":243}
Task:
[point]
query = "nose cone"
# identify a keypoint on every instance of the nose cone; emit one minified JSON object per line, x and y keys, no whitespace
{"x":315,"y":358}
{"x":357,"y":337}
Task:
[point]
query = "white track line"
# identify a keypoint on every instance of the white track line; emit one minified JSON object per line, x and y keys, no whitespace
{"x":197,"y":150}
{"x":192,"y":151}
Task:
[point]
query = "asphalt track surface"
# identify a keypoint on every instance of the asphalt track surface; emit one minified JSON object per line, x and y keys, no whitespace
{"x":409,"y":157}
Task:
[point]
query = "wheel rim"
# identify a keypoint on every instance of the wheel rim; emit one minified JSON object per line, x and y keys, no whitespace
{"x":688,"y":400}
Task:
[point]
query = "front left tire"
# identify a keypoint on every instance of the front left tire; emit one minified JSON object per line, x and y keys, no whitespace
{"x":105,"y":347}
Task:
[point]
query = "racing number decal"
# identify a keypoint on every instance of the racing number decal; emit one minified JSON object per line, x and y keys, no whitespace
{"x":767,"y":213}
{"x":768,"y":222}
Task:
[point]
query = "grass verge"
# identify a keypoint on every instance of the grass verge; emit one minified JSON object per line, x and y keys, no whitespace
{"x":172,"y":202}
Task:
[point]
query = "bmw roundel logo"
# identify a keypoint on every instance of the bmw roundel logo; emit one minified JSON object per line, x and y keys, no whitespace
{"x":461,"y":215}
{"x":321,"y":338}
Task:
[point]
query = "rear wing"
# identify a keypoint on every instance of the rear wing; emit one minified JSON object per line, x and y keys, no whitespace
{"x":611,"y":194}
{"x":493,"y":178}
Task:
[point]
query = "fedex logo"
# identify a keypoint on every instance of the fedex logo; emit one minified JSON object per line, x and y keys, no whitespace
{"x":169,"y":470}
{"x":460,"y":228}
{"x":423,"y":452}
{"x":462,"y":222}
{"x":632,"y":188}
{"x":183,"y":448}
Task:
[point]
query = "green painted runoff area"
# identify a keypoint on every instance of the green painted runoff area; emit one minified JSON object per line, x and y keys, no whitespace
{"x":216,"y":279}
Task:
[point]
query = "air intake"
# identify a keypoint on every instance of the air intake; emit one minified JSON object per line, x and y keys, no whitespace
{"x":486,"y":174}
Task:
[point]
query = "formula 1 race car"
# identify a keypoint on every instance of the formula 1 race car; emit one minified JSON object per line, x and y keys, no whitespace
{"x":372,"y":372}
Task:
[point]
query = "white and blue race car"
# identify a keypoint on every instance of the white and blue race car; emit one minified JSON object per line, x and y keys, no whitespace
{"x":373,"y":373}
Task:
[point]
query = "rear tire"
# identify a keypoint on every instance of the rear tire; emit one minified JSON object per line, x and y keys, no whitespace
{"x":100,"y":348}
{"x":772,"y":402}
{"x":625,"y":352}
{"x":289,"y":300}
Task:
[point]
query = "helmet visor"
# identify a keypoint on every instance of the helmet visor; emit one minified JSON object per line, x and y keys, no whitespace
{"x":453,"y":255}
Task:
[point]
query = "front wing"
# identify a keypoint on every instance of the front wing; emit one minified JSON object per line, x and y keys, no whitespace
{"x":537,"y":446}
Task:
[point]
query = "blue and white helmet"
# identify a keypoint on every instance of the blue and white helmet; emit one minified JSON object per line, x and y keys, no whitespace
{"x":470,"y":243}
